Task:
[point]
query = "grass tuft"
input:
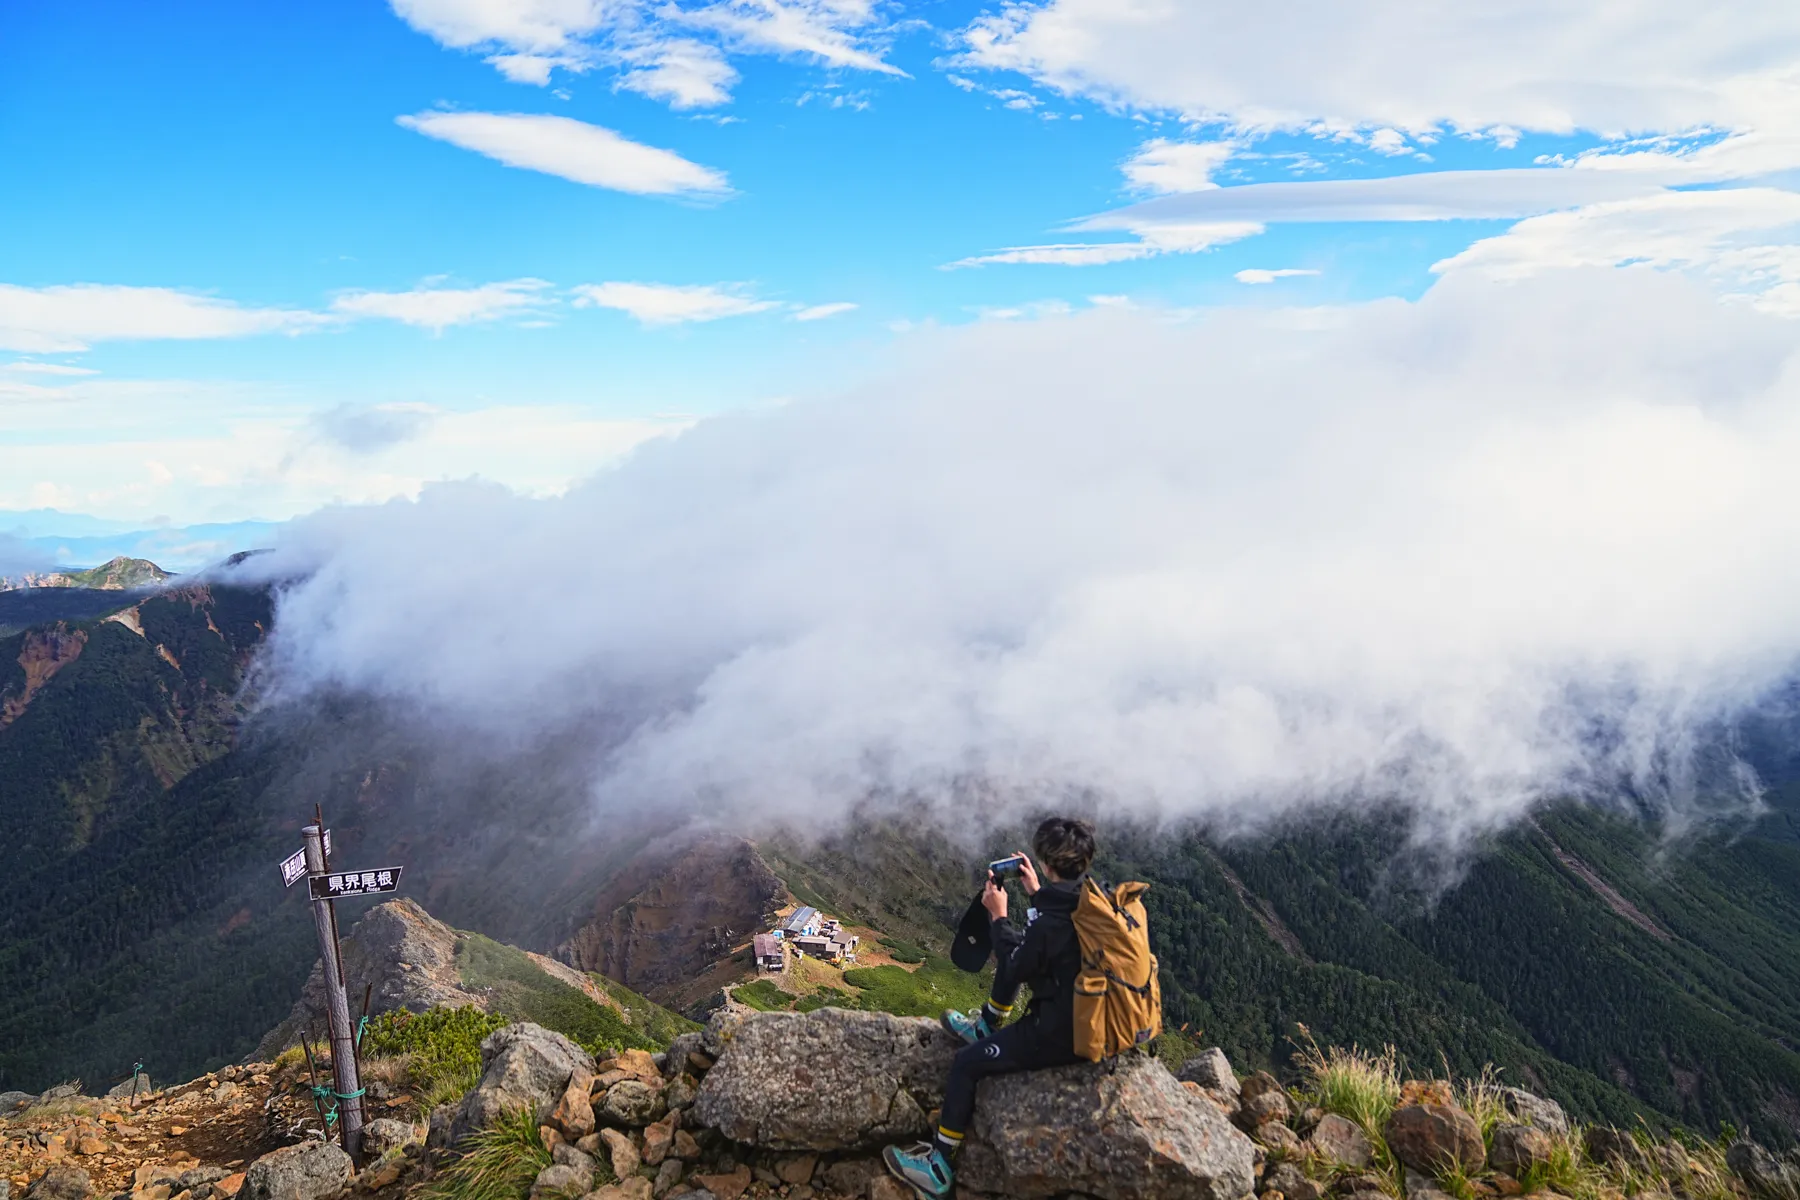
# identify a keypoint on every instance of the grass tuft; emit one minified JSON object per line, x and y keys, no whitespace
{"x":1354,"y":1083}
{"x":500,"y":1163}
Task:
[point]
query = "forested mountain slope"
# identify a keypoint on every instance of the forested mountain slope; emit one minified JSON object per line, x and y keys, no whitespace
{"x":141,"y":918}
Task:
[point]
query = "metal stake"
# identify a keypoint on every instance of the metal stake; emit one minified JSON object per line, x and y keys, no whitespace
{"x":343,"y":1034}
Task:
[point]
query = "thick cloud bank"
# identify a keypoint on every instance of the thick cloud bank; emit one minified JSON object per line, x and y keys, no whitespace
{"x":1513,"y":541}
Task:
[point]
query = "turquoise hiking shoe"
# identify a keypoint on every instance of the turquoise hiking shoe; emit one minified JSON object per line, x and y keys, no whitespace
{"x":970,"y":1029}
{"x":921,"y":1167}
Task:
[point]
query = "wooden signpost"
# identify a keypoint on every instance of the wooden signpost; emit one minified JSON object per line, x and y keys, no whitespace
{"x":323,"y":887}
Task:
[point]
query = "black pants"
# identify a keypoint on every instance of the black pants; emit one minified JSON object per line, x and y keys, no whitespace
{"x":1021,"y":1046}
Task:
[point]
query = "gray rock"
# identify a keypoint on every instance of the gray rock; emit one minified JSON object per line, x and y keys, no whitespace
{"x":680,"y":1092}
{"x":1118,"y":1133}
{"x":1211,"y":1070}
{"x":442,"y":1121}
{"x":1531,"y":1109}
{"x":61,"y":1183}
{"x":523,"y":1066}
{"x":851,"y":1176}
{"x":566,"y":1155}
{"x":1340,"y":1140}
{"x":5,"y":1189}
{"x":303,"y":1172}
{"x":197,"y":1176}
{"x":667,"y":1176}
{"x":123,"y":1091}
{"x":11,"y":1102}
{"x":62,"y":1091}
{"x":1767,"y":1176}
{"x":675,"y":1060}
{"x":630,"y":1102}
{"x":384,"y":1134}
{"x":826,"y":1080}
{"x":1288,"y":1179}
{"x":1515,"y":1149}
{"x":1425,"y":1187}
{"x":559,"y":1180}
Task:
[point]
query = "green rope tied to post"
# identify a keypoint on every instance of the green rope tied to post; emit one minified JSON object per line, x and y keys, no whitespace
{"x":320,"y":1095}
{"x":361,"y":1025}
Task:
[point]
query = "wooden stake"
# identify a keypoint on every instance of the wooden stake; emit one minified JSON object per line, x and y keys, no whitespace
{"x":343,"y":1033}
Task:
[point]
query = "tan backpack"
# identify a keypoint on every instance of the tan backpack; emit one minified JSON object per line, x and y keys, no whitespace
{"x":1118,"y":999}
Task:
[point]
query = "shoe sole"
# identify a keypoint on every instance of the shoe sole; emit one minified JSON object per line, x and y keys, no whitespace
{"x":956,"y":1033}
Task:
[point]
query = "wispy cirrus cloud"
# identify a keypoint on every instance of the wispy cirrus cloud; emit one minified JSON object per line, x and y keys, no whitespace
{"x":672,"y":304}
{"x":671,"y":52}
{"x":71,"y":317}
{"x":819,"y":312}
{"x":1264,"y":275}
{"x":1153,"y":240}
{"x":572,"y":150}
{"x":437,"y":308}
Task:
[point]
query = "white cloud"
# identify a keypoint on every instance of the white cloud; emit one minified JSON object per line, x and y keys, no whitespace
{"x":1507,"y":544}
{"x":62,"y":318}
{"x":571,"y":149}
{"x":1389,"y":142}
{"x":1744,"y":238}
{"x":825,"y":30}
{"x":438,"y":308}
{"x":1261,"y":275}
{"x":1163,"y":166}
{"x":1397,"y":65}
{"x":43,"y":368}
{"x":652,"y":44}
{"x":195,"y":451}
{"x":818,"y":312}
{"x":1154,"y":240}
{"x":681,"y":72}
{"x":669,"y":304}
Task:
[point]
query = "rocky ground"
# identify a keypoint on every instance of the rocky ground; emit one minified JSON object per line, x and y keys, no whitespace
{"x":796,"y":1106}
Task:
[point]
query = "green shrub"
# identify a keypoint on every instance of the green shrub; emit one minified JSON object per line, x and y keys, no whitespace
{"x":1353,"y":1083}
{"x":827,"y":997}
{"x":763,"y":996}
{"x":903,"y":951}
{"x":442,"y":1045}
{"x":648,"y":1017}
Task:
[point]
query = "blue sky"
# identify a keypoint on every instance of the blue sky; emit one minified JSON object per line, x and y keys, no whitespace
{"x":304,"y":271}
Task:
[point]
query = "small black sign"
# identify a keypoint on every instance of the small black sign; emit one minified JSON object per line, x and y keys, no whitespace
{"x":339,"y":884}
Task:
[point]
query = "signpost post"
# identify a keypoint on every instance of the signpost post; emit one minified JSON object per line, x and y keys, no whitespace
{"x":347,"y":1087}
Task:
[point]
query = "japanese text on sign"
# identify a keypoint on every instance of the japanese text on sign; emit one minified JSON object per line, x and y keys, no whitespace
{"x":338,"y":884}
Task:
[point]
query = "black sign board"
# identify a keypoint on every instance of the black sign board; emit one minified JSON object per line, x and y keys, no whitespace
{"x":294,"y":865}
{"x":337,"y":885}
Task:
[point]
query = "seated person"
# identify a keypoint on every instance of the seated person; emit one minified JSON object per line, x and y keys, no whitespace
{"x":1045,"y":958}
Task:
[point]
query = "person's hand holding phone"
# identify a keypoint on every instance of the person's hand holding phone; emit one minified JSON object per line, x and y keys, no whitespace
{"x":1027,"y":873}
{"x":993,"y":898}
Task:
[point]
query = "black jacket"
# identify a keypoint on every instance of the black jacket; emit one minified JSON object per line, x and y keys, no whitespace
{"x":1045,"y":958}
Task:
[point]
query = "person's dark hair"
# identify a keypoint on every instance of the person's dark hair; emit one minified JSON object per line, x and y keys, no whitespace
{"x":1065,"y":845}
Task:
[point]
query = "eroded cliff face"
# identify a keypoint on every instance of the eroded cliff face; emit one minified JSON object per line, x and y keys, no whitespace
{"x":662,"y":923}
{"x":42,"y":653}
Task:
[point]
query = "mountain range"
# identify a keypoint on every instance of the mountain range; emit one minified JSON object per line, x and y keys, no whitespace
{"x":149,"y":787}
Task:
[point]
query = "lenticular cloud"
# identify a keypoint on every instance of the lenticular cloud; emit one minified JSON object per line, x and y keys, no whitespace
{"x":1509,"y":542}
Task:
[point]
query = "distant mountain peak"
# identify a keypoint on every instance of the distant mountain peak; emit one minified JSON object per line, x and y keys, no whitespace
{"x":121,"y":574}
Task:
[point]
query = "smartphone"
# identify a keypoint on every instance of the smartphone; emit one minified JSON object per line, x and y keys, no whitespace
{"x":1006,"y":868}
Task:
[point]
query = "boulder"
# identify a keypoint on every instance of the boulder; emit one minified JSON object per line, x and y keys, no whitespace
{"x":1766,"y":1176}
{"x":1288,"y":1179}
{"x":124,"y":1090}
{"x":630,"y":1102}
{"x":1607,"y":1145}
{"x":385,"y":1133}
{"x":676,"y":1057}
{"x":1211,"y":1070}
{"x":681,"y":1091}
{"x":1433,"y":1137}
{"x":523,"y":1066}
{"x":1115,"y":1132}
{"x":667,"y":1176}
{"x":825,"y":1080}
{"x":1516,"y":1149}
{"x":303,"y":1172}
{"x":1263,"y":1099}
{"x":61,"y":1183}
{"x":1535,"y":1110}
{"x":558,"y":1180}
{"x":62,"y":1091}
{"x":1277,"y":1139}
{"x":11,"y":1102}
{"x":1339,"y":1140}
